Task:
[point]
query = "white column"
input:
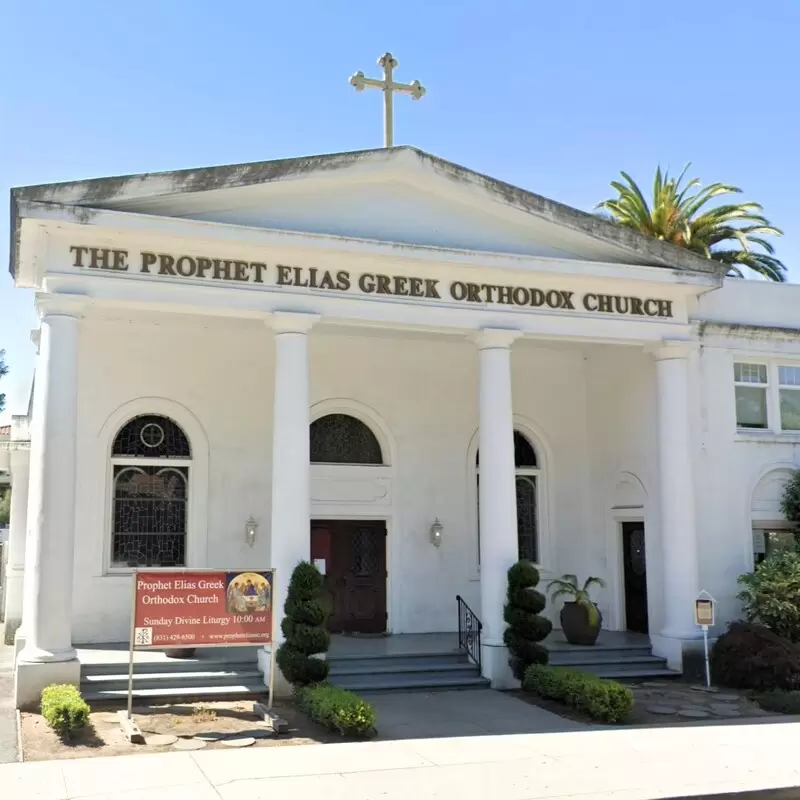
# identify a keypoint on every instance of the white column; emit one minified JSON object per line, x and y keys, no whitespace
{"x":678,"y":522}
{"x":18,"y":525}
{"x":48,"y":656}
{"x":290,"y":528}
{"x":498,"y":499}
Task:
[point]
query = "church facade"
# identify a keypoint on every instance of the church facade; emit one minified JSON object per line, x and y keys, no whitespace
{"x":405,"y":371}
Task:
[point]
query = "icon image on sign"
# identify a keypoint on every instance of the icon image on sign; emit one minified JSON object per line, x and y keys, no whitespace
{"x":248,"y":592}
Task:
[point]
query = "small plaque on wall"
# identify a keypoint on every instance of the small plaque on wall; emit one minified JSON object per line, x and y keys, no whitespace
{"x":319,"y":563}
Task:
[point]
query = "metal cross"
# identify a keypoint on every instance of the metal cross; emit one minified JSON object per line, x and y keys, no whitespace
{"x":415,"y":89}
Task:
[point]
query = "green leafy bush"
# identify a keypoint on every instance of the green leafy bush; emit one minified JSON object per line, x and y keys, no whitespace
{"x":521,"y":613}
{"x":337,"y":709}
{"x":63,"y":708}
{"x":779,"y":701}
{"x":599,"y":698}
{"x":303,"y":627}
{"x":751,"y":656}
{"x":790,"y":501}
{"x":771,"y":594}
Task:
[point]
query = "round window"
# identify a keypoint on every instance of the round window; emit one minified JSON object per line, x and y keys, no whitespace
{"x":152,"y":435}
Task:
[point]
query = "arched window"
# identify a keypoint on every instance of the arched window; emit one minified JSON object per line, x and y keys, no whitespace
{"x":526,"y":470}
{"x":342,"y":439}
{"x":151,"y":459}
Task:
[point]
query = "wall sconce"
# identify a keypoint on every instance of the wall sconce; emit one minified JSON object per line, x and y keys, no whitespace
{"x":250,"y":530}
{"x":437,"y":529}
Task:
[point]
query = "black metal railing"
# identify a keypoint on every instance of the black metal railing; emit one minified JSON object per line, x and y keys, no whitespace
{"x":469,"y":632}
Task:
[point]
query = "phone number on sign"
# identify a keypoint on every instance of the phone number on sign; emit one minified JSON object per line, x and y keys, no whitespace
{"x":174,"y":637}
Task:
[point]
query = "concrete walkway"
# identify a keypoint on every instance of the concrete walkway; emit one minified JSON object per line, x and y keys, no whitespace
{"x":622,"y":764}
{"x":8,"y":716}
{"x":428,"y":715}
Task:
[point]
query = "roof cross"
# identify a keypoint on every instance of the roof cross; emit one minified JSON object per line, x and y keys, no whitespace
{"x":389,"y":87}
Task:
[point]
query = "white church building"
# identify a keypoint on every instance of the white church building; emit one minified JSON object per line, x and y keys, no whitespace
{"x":410,"y":372}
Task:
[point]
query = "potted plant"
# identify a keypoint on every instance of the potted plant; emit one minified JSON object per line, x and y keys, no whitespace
{"x":580,"y":617}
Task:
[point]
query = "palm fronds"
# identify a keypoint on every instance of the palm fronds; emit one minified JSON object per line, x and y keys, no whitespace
{"x":676,"y":214}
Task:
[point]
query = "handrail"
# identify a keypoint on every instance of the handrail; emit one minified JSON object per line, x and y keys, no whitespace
{"x":469,"y":632}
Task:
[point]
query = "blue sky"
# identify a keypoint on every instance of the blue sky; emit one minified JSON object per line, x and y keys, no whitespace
{"x":554,"y":97}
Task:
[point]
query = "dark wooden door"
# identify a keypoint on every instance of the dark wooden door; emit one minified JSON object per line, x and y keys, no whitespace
{"x":355,"y":573}
{"x":635,"y":568}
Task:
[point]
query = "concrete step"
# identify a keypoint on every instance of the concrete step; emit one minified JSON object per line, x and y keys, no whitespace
{"x":425,"y":664}
{"x":406,"y":682}
{"x":575,"y":655}
{"x":243,"y":690}
{"x":382,"y":659}
{"x":155,"y":680}
{"x":633,"y":671}
{"x":172,"y":666}
{"x":601,"y":659}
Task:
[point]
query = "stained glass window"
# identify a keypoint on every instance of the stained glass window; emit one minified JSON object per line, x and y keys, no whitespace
{"x":151,"y":436}
{"x":149,"y":516}
{"x":524,"y":454}
{"x":342,"y":439}
{"x":525,"y":465}
{"x":526,"y":517}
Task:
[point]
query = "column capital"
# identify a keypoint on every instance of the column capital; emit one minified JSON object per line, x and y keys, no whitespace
{"x":496,"y":338}
{"x":670,"y":349}
{"x":292,"y":321}
{"x":61,"y":305}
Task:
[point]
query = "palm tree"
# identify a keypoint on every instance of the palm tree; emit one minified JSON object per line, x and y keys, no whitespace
{"x":676,"y":215}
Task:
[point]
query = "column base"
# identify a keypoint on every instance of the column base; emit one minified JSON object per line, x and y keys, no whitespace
{"x":684,"y":654}
{"x":31,"y":677}
{"x":281,"y":687}
{"x":495,"y":667}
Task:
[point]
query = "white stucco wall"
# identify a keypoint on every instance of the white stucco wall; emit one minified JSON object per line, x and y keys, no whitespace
{"x":423,"y":390}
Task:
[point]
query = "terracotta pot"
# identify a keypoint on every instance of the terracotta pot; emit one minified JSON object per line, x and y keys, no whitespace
{"x":183,"y":652}
{"x":576,"y":627}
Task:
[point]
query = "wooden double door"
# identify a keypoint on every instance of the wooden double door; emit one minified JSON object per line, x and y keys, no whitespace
{"x":352,"y":556}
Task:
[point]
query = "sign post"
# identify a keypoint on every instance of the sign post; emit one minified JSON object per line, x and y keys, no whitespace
{"x":704,"y":611}
{"x":186,"y":608}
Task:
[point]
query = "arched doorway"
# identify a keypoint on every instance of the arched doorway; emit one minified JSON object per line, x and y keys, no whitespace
{"x":350,"y":553}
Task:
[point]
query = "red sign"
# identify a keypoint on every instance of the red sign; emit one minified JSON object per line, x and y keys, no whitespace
{"x":202,"y":608}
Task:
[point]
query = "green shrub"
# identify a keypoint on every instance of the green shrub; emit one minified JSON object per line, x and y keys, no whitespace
{"x":790,"y":500}
{"x":771,"y":594}
{"x":303,"y":629}
{"x":779,"y":701}
{"x":599,"y":698}
{"x":751,"y":656}
{"x":521,"y":613}
{"x":63,"y":708}
{"x":337,"y":709}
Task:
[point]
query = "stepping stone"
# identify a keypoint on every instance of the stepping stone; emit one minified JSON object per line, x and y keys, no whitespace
{"x":210,"y":736}
{"x":255,"y":733}
{"x":662,"y":709}
{"x":189,"y":744}
{"x":692,"y":707}
{"x":160,"y":739}
{"x":727,"y":697}
{"x":712,"y":689}
{"x":693,"y":713}
{"x":240,"y":741}
{"x":656,"y":685}
{"x":723,"y":710}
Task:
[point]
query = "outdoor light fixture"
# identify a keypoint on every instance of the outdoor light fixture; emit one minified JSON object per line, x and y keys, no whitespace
{"x":250,"y":528}
{"x":436,"y":533}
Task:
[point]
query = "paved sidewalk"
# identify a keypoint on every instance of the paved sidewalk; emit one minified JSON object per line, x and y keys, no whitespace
{"x":623,"y":764}
{"x":8,"y":716}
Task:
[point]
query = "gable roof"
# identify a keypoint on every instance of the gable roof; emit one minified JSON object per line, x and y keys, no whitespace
{"x":122,"y":191}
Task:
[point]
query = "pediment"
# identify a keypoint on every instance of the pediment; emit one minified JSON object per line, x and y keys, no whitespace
{"x":396,"y":195}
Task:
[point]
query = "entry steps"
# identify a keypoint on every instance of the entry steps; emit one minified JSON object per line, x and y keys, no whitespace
{"x":428,"y":671}
{"x":618,"y":660}
{"x":188,"y":679}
